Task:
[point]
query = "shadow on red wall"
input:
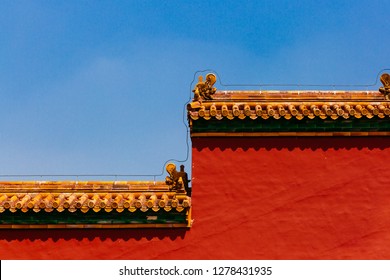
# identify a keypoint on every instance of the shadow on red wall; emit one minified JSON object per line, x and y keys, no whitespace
{"x":293,"y":143}
{"x":92,"y":234}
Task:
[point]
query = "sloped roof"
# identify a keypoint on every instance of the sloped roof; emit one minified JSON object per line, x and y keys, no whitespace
{"x":223,"y":113}
{"x":96,"y":204}
{"x":89,"y":196}
{"x":293,"y":104}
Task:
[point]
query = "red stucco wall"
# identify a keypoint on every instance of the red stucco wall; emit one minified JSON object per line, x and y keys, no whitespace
{"x":296,"y":198}
{"x":270,"y":198}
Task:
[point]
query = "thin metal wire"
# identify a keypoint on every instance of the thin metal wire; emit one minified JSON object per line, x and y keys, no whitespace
{"x":76,"y":175}
{"x":187,"y":128}
{"x":299,"y":85}
{"x":154,"y":176}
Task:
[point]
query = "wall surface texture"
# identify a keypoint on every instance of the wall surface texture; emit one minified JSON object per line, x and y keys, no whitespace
{"x":254,"y":198}
{"x":295,"y":198}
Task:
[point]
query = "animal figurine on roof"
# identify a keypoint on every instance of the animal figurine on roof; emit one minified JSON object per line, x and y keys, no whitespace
{"x":177,"y":180}
{"x":385,"y":80}
{"x":205,"y":90}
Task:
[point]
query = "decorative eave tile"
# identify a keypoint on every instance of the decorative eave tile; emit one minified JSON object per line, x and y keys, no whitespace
{"x":124,"y":203}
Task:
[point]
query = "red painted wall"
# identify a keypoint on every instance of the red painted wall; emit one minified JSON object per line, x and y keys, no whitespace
{"x":296,"y":198}
{"x":270,"y":198}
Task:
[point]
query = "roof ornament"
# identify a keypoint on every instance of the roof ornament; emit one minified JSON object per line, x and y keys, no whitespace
{"x":205,"y":90}
{"x":177,"y":180}
{"x":385,"y":80}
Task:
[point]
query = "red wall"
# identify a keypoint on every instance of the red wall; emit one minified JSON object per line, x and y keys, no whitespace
{"x":270,"y":198}
{"x":295,"y":198}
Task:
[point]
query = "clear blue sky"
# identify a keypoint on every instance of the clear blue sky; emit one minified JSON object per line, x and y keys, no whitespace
{"x":98,"y":87}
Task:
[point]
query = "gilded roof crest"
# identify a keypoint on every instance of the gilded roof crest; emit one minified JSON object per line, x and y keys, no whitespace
{"x":205,"y":90}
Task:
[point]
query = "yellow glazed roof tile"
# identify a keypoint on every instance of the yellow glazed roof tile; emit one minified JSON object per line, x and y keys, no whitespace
{"x":210,"y":103}
{"x":284,"y":105}
{"x":85,"y":196}
{"x":97,"y":204}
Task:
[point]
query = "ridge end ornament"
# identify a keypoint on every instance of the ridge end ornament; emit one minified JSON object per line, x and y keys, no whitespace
{"x":205,"y":90}
{"x":385,"y":80}
{"x":177,"y":180}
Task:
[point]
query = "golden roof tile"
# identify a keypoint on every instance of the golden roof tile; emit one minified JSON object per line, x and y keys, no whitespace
{"x":287,"y":105}
{"x":133,"y":200}
{"x":314,"y":110}
{"x":70,"y":196}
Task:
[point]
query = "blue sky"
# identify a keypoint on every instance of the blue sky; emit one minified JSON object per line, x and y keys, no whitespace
{"x":99,"y":87}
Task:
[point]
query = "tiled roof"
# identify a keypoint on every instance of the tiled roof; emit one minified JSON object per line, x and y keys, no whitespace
{"x":90,"y":196}
{"x":97,"y":204}
{"x":290,"y":105}
{"x":92,"y":205}
{"x":235,"y":113}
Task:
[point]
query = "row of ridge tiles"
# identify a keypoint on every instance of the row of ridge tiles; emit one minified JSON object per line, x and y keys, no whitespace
{"x":84,"y":186}
{"x":220,"y":110}
{"x":95,"y":201}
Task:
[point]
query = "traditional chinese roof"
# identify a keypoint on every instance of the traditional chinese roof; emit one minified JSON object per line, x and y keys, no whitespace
{"x":279,"y":113}
{"x":52,"y":204}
